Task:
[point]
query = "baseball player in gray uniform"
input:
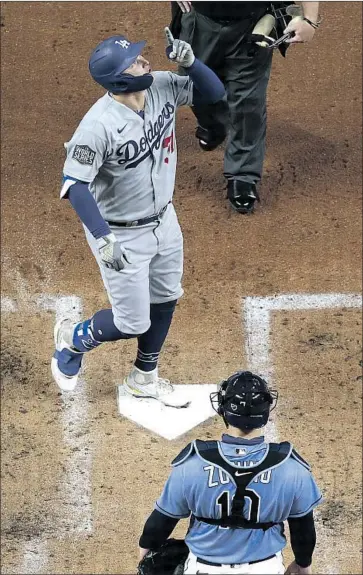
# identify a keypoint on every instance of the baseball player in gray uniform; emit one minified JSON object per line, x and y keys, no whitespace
{"x":119,"y":176}
{"x":237,"y":491}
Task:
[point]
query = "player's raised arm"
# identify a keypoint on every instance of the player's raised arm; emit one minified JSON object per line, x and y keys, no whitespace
{"x":207,"y":85}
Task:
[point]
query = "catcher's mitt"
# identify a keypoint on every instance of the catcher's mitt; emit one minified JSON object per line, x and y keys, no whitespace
{"x":169,"y":559}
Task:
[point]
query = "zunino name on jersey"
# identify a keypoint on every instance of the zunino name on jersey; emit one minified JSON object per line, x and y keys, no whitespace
{"x":134,"y":152}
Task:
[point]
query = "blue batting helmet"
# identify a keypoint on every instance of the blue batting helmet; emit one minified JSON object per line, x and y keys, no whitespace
{"x":111,"y":58}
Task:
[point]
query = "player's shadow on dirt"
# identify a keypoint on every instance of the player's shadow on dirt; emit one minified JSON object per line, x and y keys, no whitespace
{"x":298,"y":161}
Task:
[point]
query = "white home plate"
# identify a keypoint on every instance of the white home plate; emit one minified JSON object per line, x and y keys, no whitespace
{"x":169,"y":422}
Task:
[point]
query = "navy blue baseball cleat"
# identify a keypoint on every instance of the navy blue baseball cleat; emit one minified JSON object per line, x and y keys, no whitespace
{"x":66,"y":361}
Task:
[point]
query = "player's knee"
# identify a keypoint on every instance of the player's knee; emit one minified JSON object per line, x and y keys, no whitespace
{"x":132,"y":328}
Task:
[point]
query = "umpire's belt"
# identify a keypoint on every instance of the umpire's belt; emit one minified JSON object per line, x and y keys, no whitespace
{"x":204,"y":562}
{"x":141,"y":222}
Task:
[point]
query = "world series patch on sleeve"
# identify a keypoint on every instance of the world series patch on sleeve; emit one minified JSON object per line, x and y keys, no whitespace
{"x":84,"y":154}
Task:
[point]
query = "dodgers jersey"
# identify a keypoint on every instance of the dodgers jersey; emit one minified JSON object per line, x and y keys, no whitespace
{"x":129,"y":161}
{"x":198,"y":487}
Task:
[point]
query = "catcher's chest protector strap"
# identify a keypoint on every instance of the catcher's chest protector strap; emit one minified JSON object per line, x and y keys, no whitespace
{"x":241,"y":476}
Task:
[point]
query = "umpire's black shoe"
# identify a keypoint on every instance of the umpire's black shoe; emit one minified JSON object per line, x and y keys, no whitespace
{"x":242,"y":196}
{"x":209,"y":139}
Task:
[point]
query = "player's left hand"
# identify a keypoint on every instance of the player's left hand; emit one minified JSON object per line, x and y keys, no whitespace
{"x":302,"y":30}
{"x":178,"y":50}
{"x":113,"y":254}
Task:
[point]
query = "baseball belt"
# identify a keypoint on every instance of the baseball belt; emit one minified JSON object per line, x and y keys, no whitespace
{"x":204,"y":562}
{"x":141,"y":222}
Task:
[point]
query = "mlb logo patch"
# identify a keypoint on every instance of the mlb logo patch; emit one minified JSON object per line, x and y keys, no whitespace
{"x":84,"y":155}
{"x":241,"y":451}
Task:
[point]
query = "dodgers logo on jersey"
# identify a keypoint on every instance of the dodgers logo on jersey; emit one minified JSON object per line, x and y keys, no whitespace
{"x":84,"y":155}
{"x":133,"y":153}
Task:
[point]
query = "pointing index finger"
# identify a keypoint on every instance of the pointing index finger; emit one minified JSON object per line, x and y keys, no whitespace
{"x":169,"y":36}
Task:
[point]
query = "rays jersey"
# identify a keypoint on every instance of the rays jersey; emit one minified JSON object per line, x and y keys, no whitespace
{"x":198,"y":488}
{"x":128,"y":159}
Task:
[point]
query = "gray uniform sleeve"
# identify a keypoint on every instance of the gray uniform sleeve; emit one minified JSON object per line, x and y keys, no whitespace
{"x":179,"y":87}
{"x":183,"y":89}
{"x":85,"y":155}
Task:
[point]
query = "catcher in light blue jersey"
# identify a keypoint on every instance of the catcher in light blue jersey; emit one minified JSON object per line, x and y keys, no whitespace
{"x":237,"y":492}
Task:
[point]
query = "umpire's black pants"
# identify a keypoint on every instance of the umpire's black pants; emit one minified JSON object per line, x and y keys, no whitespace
{"x":245,"y":72}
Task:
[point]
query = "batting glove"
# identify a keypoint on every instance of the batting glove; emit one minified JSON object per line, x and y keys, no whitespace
{"x":113,"y":255}
{"x":178,"y":50}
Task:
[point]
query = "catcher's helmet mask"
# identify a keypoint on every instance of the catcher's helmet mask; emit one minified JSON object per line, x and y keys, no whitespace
{"x":244,"y":400}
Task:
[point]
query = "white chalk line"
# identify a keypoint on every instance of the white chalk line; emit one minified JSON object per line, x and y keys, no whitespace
{"x":35,"y":556}
{"x":257,"y":314}
{"x":75,"y":483}
{"x":8,"y":305}
{"x":256,"y":319}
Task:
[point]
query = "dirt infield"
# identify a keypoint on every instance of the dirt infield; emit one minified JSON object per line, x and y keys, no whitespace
{"x":78,"y":480}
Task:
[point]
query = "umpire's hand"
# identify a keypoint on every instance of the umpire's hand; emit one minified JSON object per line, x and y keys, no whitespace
{"x":301,"y":31}
{"x":113,"y":254}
